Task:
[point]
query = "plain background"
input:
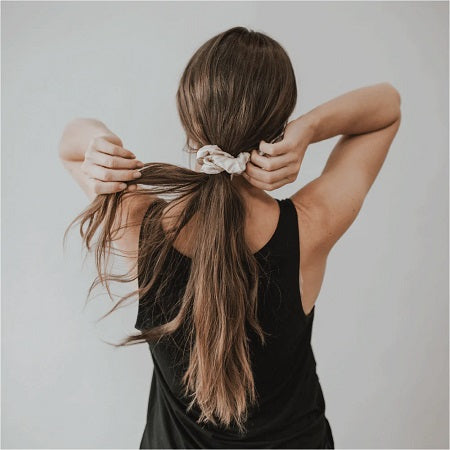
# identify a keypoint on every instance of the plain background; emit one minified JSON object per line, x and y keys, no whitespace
{"x":381,"y":326}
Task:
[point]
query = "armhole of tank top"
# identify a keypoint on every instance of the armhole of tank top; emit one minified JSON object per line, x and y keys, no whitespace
{"x":296,"y":232}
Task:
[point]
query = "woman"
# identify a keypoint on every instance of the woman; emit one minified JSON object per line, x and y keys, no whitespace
{"x":228,"y":276}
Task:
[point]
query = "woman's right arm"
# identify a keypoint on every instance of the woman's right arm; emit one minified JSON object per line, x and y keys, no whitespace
{"x":95,"y":157}
{"x":97,"y":160}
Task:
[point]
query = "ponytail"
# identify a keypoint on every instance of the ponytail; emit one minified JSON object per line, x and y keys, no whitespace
{"x":221,"y":292}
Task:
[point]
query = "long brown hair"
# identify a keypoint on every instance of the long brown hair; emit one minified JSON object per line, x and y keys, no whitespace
{"x":238,"y":88}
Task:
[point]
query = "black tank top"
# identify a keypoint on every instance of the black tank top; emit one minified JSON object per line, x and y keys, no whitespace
{"x":291,"y":408}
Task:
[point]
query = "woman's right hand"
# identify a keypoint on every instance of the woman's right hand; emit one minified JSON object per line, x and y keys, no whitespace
{"x":109,"y":166}
{"x":281,"y":161}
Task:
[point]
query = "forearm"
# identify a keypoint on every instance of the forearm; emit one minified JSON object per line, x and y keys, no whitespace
{"x":74,"y":168}
{"x":76,"y":137}
{"x":356,"y":112}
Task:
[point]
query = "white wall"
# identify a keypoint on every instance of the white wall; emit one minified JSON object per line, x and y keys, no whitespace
{"x":381,"y":326}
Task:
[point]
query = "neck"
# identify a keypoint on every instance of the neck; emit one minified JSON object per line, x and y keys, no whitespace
{"x":247,"y":190}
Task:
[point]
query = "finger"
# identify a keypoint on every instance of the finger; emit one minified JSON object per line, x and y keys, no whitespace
{"x":270,"y":162}
{"x":102,"y":145}
{"x":113,"y":162}
{"x":104,"y":174}
{"x":265,"y":176}
{"x":276,"y":149}
{"x":102,"y":187}
{"x":265,"y":186}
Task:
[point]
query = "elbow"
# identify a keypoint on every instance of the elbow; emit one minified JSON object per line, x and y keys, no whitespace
{"x":394,"y":101}
{"x":70,"y":129}
{"x":397,"y":98}
{"x":66,"y":137}
{"x":398,"y":106}
{"x":62,"y":143}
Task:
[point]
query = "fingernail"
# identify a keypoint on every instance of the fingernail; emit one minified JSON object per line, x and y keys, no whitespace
{"x":132,"y":155}
{"x":139,"y":163}
{"x":137,"y":174}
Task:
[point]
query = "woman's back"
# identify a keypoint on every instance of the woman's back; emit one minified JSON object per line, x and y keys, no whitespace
{"x":291,"y":409}
{"x":262,"y":217}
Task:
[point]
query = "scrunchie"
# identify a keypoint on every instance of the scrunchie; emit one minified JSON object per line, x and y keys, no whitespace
{"x":214,"y":160}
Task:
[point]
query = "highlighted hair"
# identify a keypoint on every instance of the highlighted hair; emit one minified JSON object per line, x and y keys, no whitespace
{"x":237,"y":89}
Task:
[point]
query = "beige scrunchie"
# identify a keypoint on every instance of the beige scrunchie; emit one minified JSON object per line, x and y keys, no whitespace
{"x":214,"y":160}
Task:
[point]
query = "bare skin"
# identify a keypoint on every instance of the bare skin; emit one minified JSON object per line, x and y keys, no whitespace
{"x":368,"y":120}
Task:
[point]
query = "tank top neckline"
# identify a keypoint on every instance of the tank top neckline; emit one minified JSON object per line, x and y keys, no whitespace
{"x":256,"y":254}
